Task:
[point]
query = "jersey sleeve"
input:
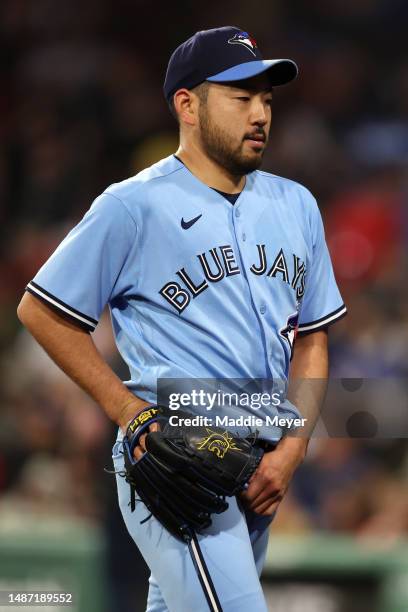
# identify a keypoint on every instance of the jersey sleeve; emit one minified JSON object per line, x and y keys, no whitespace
{"x":322,"y":303}
{"x":88,"y":268}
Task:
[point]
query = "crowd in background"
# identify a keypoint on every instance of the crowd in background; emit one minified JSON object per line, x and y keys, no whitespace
{"x":81,"y":107}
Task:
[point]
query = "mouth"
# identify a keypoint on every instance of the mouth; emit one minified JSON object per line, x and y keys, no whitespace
{"x":257,"y":141}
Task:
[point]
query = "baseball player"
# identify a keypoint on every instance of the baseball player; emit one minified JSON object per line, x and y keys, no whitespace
{"x":211,"y":269}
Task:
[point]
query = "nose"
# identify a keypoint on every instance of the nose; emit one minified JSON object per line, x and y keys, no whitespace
{"x":259,"y":111}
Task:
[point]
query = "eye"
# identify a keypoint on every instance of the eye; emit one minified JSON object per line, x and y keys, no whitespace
{"x":243,"y":98}
{"x":269,"y":102}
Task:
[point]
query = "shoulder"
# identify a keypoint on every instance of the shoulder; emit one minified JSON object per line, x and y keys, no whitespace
{"x":285,"y":188}
{"x":134,"y":195}
{"x":147,"y":179}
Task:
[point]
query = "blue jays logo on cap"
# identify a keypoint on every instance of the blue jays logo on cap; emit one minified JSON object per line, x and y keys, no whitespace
{"x":245,"y":39}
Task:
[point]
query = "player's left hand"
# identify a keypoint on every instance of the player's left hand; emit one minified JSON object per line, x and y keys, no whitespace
{"x":270,"y":482}
{"x":141,"y":447}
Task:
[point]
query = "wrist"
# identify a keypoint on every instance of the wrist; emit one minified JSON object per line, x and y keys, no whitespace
{"x":129,"y":410}
{"x":293,"y":448}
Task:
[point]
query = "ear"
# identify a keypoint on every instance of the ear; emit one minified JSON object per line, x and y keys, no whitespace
{"x":186,"y":106}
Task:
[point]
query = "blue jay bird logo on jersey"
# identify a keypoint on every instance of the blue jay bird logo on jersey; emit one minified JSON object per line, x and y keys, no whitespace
{"x":289,"y":332}
{"x":244,"y":39}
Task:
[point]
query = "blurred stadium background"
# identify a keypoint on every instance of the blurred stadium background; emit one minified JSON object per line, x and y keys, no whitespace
{"x":81,"y":107}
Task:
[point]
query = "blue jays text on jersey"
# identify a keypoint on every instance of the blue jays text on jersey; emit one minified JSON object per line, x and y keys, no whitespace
{"x":224,"y":264}
{"x":196,"y":286}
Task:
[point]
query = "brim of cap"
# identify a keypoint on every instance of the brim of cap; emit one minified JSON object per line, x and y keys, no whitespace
{"x":280,"y":71}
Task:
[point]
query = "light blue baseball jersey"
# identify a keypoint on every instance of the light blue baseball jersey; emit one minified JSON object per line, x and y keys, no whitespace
{"x":197,"y":287}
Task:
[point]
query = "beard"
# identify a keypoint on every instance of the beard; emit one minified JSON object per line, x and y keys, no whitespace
{"x":217,"y":145}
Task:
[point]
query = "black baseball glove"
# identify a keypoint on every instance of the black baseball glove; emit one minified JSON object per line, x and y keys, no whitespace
{"x":186,"y":472}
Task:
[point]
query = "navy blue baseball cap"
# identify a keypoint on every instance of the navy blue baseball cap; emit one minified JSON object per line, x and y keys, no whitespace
{"x":222,"y":55}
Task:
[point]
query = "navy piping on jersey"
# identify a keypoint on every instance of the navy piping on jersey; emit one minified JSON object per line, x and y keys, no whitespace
{"x":339,"y":313}
{"x":75,"y":315}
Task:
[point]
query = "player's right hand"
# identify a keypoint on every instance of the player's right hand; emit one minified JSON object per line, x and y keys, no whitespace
{"x":270,"y":482}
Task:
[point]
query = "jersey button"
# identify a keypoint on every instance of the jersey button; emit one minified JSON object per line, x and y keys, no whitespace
{"x":237,"y":213}
{"x":262,"y":309}
{"x":244,"y":237}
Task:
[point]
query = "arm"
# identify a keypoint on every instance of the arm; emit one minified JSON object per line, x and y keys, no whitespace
{"x":74,"y":351}
{"x":271,"y":480}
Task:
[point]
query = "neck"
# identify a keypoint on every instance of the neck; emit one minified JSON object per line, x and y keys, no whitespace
{"x":208,"y":171}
